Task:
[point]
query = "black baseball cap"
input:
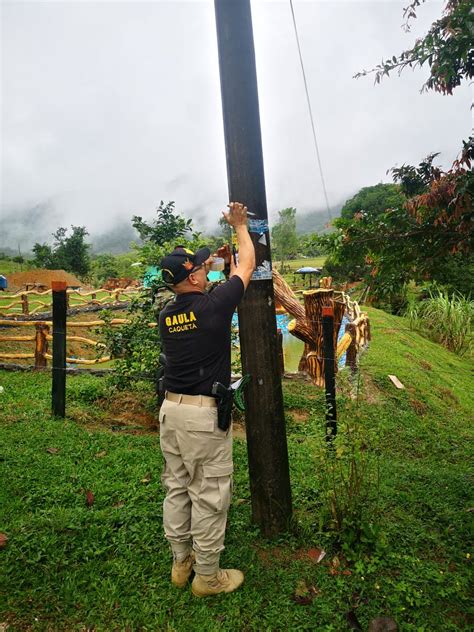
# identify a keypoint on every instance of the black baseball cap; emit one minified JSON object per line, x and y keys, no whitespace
{"x":180,"y":263}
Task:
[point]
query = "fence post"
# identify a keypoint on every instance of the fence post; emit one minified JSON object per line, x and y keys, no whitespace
{"x":351,"y":353}
{"x":329,"y":372}
{"x":41,"y":348}
{"x":58,"y":393}
{"x":24,"y":304}
{"x":281,"y":355}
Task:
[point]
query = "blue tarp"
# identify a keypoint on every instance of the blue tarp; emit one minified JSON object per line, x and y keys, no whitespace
{"x":152,"y":274}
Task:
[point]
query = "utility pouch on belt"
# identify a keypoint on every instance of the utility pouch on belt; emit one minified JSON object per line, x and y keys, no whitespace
{"x":225,"y":399}
{"x":160,"y":379}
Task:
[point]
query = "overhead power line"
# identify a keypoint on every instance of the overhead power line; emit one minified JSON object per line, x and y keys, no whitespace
{"x":311,"y":114}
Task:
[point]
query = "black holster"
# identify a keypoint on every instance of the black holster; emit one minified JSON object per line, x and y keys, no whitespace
{"x":225,"y":400}
{"x":160,"y":380}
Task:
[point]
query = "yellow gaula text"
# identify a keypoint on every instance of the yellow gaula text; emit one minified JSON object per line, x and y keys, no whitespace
{"x":181,"y":322}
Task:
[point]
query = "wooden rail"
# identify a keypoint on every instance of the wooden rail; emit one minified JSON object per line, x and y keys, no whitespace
{"x":43,"y":337}
{"x":21,"y":303}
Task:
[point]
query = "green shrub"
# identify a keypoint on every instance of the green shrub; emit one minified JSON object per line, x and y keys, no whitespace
{"x":135,"y":345}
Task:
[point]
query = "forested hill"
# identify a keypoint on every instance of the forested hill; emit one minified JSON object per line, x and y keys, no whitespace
{"x":116,"y":240}
{"x":316,"y":221}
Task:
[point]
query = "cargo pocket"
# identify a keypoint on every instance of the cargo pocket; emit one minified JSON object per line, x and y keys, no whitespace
{"x":199,"y":425}
{"x":216,"y":489}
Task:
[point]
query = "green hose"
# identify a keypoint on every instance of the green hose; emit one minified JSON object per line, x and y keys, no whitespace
{"x":239,"y":392}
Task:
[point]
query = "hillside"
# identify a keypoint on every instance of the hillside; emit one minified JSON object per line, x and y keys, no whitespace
{"x":315,"y":221}
{"x":89,"y":565}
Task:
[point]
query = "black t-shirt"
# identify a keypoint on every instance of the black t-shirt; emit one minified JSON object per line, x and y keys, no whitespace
{"x":195,"y":333}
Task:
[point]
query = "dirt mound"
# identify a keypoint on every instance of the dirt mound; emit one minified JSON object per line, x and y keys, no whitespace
{"x":41,"y":278}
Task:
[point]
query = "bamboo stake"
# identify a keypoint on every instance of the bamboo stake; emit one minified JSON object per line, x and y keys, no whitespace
{"x":95,"y":343}
{"x":343,"y":345}
{"x":5,"y":307}
{"x":24,"y":304}
{"x":41,"y":347}
{"x":81,"y":360}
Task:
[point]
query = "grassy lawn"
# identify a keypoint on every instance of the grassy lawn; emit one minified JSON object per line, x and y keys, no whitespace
{"x":70,"y":565}
{"x":10,"y":267}
{"x":296,"y":280}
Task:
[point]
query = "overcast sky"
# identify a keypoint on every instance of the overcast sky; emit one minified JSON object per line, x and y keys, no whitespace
{"x":109,"y":107}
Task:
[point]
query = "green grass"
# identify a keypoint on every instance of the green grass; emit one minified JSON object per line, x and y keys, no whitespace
{"x":69,"y":566}
{"x":312,"y":262}
{"x":296,"y":281}
{"x":10,"y":267}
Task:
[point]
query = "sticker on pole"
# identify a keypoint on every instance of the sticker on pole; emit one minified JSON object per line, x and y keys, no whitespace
{"x":259,"y":226}
{"x":263,"y":272}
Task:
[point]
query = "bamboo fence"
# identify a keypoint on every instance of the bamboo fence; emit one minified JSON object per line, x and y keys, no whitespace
{"x":307,"y":324}
{"x":42,"y":338}
{"x":25,"y":304}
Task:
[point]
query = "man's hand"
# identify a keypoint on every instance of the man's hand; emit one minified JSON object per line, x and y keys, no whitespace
{"x":224,"y":252}
{"x":237,"y":218}
{"x":237,"y":214}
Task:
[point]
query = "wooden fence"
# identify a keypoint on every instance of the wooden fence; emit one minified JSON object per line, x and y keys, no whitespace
{"x":42,"y":338}
{"x":307,"y":324}
{"x":25,"y":304}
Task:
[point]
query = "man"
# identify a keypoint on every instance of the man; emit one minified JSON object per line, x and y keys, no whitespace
{"x":195,"y":332}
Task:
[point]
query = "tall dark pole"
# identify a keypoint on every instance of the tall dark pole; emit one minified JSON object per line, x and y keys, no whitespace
{"x":58,"y":391}
{"x":265,"y":421}
{"x":329,"y":373}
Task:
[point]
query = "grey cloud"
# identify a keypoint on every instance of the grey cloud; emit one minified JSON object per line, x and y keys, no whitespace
{"x":109,"y":107}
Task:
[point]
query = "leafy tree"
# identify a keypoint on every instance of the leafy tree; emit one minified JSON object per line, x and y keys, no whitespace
{"x":43,"y":256}
{"x":310,"y":245}
{"x":69,"y":252}
{"x":72,"y":252}
{"x":444,"y":205}
{"x":284,"y":237}
{"x":432,"y":231}
{"x":447,"y":48}
{"x":373,"y":200}
{"x":165,"y":228}
{"x":426,"y":238}
{"x":104,"y":267}
{"x":165,"y":232}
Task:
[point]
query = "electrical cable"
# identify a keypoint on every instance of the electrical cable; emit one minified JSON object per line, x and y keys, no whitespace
{"x":311,"y":113}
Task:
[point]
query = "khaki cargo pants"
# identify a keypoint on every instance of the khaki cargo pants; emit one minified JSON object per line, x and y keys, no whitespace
{"x":197,"y":477}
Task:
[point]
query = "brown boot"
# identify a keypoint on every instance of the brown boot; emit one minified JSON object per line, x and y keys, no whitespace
{"x":224,"y":581}
{"x":181,"y":571}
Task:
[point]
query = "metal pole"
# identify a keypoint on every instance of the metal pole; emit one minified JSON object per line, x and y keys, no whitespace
{"x":329,"y":373}
{"x":265,"y":422}
{"x":58,"y":392}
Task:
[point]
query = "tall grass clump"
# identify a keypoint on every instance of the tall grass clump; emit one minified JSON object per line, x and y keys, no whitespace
{"x":447,"y":319}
